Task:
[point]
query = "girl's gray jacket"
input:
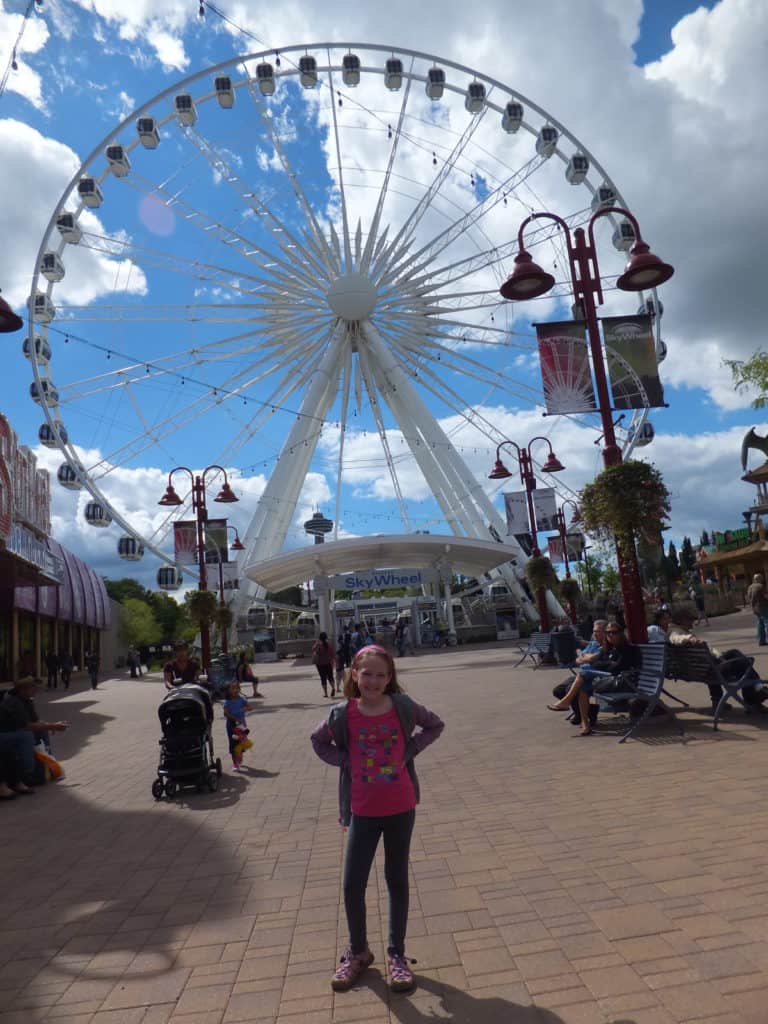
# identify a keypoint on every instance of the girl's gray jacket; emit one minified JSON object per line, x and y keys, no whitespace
{"x":330,"y":743}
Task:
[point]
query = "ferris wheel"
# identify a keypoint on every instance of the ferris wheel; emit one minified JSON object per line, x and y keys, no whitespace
{"x":288,"y":264}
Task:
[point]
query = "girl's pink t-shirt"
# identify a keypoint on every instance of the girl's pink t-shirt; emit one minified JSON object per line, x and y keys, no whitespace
{"x":381,"y":784}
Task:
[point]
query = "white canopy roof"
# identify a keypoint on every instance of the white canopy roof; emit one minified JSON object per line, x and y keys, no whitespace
{"x":384,"y":551}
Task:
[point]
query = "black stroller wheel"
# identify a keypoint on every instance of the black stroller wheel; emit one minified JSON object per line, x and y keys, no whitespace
{"x":157,"y":789}
{"x":218,"y":767}
{"x":170,"y":789}
{"x":213,"y":781}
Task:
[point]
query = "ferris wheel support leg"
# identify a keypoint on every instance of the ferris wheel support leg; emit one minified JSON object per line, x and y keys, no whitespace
{"x":268,"y":528}
{"x":472,"y":503}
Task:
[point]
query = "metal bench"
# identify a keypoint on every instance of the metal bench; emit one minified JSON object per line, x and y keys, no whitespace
{"x":695,"y":663}
{"x":537,"y":646}
{"x":648,"y":687}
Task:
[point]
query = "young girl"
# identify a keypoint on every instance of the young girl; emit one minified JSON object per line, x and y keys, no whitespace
{"x":370,"y":737}
{"x":235,"y":708}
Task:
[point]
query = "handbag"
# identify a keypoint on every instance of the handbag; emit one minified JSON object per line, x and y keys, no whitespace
{"x":624,"y":682}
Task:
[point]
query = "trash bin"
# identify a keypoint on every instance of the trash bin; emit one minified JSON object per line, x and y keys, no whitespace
{"x":564,"y":646}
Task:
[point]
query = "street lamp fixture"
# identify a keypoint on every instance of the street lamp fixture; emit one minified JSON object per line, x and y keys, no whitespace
{"x":528,"y":480}
{"x":171,"y":499}
{"x":644,"y":270}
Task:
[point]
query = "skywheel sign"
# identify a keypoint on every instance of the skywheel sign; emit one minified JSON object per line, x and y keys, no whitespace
{"x":378,"y":579}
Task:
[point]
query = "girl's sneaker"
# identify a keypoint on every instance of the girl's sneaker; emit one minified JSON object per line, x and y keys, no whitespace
{"x":351,"y":966}
{"x":400,"y":974}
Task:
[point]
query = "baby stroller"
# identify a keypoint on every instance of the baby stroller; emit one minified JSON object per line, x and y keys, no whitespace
{"x":186,"y":747}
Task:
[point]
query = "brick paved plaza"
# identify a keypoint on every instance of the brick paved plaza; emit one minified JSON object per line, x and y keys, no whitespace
{"x":555,"y":879}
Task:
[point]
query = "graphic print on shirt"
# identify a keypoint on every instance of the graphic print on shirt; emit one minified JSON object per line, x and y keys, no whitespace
{"x":376,"y":743}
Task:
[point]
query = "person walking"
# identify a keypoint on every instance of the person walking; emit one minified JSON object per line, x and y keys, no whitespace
{"x":52,"y":668}
{"x":370,"y":737}
{"x":92,"y":664}
{"x":66,"y":664}
{"x":757,"y":598}
{"x":324,"y":658}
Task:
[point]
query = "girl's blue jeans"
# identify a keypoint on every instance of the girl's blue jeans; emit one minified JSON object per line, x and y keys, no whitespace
{"x":362,"y":840}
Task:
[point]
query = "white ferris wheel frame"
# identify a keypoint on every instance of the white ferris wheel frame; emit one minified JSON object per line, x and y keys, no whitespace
{"x":465,"y":505}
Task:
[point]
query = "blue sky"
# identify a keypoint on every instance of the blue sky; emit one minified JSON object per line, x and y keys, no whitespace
{"x":170,"y":343}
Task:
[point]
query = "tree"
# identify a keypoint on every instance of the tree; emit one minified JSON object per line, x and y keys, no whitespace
{"x":687,"y":556}
{"x":139,"y":626}
{"x":611,"y":581}
{"x":704,"y":539}
{"x":121,"y":590}
{"x":751,"y":374}
{"x":589,"y":572}
{"x":171,"y":616}
{"x":673,"y":559}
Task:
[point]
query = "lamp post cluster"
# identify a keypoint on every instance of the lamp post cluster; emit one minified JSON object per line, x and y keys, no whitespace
{"x":643,"y":271}
{"x":226,"y":495}
{"x":528,"y":479}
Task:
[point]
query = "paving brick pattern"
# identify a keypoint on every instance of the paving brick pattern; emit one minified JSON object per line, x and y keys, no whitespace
{"x":555,"y":879}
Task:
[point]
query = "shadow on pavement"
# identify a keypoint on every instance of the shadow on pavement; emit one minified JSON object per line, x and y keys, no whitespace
{"x":66,"y":744}
{"x":457,"y":1007}
{"x":100,"y":896}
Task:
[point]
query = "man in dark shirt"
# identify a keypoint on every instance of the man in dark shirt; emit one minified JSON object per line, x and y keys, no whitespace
{"x":182,"y":669}
{"x":20,"y":727}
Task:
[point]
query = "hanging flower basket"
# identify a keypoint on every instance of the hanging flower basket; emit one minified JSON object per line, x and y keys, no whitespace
{"x":202,"y":606}
{"x":223,"y":618}
{"x":627,"y":499}
{"x":569,"y":589}
{"x":540,"y":572}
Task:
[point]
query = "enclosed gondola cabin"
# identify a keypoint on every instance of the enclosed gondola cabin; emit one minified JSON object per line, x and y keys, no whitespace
{"x":68,"y":478}
{"x":644,"y":434}
{"x":43,"y":309}
{"x":169,"y":577}
{"x":308,"y":71}
{"x":89,"y":192}
{"x":185,"y":109}
{"x":130,"y":549}
{"x":47,"y":436}
{"x":45,"y":391}
{"x":97,"y":515}
{"x":51,"y":267}
{"x":661,"y":351}
{"x":435,"y":84}
{"x":474,"y":101}
{"x":265,"y":77}
{"x":225,"y":94}
{"x":41,"y":347}
{"x":393,"y":74}
{"x":512,"y":117}
{"x":68,"y":228}
{"x":604,"y":196}
{"x":350,"y":69}
{"x":118,"y":161}
{"x":257,"y":618}
{"x":149,"y":134}
{"x":624,"y":236}
{"x":546,"y":141}
{"x":651,"y":306}
{"x":577,"y":169}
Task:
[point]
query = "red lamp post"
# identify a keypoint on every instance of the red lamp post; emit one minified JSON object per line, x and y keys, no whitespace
{"x":643,"y":271}
{"x":225,"y":496}
{"x":562,"y":530}
{"x":528,"y":479}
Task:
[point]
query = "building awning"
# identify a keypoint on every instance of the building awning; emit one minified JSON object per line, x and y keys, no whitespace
{"x":418,"y":551}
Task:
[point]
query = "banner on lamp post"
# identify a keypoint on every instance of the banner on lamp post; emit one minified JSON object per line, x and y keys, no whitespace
{"x":216,"y":547}
{"x":185,"y":542}
{"x":632,"y":366}
{"x":545,"y":508}
{"x":574,"y":546}
{"x":516,"y":507}
{"x":566,"y":375}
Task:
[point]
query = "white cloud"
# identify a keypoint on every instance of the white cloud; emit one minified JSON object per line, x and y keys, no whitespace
{"x":35,"y":171}
{"x":25,"y":81}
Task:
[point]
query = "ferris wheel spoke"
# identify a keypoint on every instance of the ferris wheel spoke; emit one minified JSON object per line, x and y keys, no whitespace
{"x":413,"y":220}
{"x":312,"y":224}
{"x":348,"y":261}
{"x":463,"y":224}
{"x":219,"y":163}
{"x":375,"y":243}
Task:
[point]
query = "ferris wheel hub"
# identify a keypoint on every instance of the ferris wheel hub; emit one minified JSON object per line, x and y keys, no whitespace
{"x":352,"y":296}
